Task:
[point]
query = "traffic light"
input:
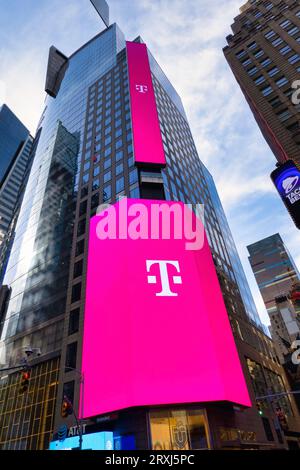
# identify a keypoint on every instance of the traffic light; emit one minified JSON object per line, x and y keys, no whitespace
{"x":66,"y":407}
{"x":259,"y":409}
{"x":25,"y":381}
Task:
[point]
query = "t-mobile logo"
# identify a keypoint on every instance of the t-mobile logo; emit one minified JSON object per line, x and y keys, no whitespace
{"x":164,"y":276}
{"x":141,"y":88}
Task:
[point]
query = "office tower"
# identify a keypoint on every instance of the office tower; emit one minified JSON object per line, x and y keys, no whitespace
{"x":274,"y":269}
{"x":15,"y":146}
{"x":13,"y":135}
{"x":278,"y":280}
{"x":86,"y":156}
{"x":264,"y":55}
{"x":11,"y":186}
{"x":234,"y":256}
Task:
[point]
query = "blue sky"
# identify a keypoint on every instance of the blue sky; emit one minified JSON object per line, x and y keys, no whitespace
{"x":186,"y":37}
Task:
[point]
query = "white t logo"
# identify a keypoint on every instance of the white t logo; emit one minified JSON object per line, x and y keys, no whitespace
{"x":141,"y":88}
{"x":164,"y":277}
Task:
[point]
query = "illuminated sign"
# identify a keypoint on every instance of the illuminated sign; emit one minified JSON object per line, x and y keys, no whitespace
{"x":94,"y":441}
{"x":286,"y":179}
{"x":147,"y":139}
{"x":156,"y":330}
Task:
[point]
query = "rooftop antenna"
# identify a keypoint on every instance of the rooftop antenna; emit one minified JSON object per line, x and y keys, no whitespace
{"x":102,"y":9}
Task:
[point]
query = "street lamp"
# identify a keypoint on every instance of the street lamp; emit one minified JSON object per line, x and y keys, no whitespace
{"x":78,"y":419}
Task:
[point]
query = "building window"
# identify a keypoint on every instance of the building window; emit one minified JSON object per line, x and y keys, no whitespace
{"x":240,"y":54}
{"x":266,"y":62}
{"x":120,"y":185}
{"x":275,"y":102}
{"x":260,"y":80}
{"x":79,"y":248}
{"x":267,"y":91}
{"x":107,"y":177}
{"x":71,"y":356}
{"x":252,"y":71}
{"x":285,"y":24}
{"x":119,"y":169}
{"x":277,"y":41}
{"x":259,"y":53}
{"x":74,"y":321}
{"x":281,"y":81}
{"x":78,"y":267}
{"x":76,"y":293}
{"x":107,"y":193}
{"x":246,"y":62}
{"x":285,"y":50}
{"x":293,"y":31}
{"x":284,"y":115}
{"x":252,"y":46}
{"x":81,"y":228}
{"x":294,"y":58}
{"x":273,"y":71}
{"x":95,"y":201}
{"x":268,"y":429}
{"x":270,"y":34}
{"x":165,"y":424}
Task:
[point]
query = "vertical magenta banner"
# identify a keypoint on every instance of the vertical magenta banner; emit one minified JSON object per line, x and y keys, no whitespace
{"x":147,"y":140}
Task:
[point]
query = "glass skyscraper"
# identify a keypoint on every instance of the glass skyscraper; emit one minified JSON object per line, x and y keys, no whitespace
{"x":13,"y":134}
{"x":274,"y":269}
{"x":85,"y":157}
{"x":11,"y":186}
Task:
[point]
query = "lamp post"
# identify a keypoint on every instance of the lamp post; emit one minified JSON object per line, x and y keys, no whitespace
{"x":79,"y":419}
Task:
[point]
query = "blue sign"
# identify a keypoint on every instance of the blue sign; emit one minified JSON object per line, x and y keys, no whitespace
{"x":124,"y":442}
{"x":287,"y":181}
{"x":94,"y":441}
{"x":62,"y":432}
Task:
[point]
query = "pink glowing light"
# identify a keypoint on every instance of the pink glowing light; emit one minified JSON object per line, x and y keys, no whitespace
{"x":147,"y":140}
{"x":141,"y":348}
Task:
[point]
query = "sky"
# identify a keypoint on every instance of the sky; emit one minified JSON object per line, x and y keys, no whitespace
{"x":186,"y":37}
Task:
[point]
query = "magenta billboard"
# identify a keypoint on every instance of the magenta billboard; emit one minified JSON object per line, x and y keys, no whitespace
{"x":156,"y":330}
{"x":147,"y":140}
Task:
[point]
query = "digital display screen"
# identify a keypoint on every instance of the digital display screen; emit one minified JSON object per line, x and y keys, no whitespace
{"x":156,"y":330}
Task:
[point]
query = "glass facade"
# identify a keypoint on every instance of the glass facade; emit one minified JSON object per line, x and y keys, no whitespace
{"x":234,"y":256}
{"x":264,"y":55}
{"x":274,"y":269}
{"x":27,"y":419}
{"x":38,"y":266}
{"x":179,"y":430}
{"x":11,"y":186}
{"x":12,"y":136}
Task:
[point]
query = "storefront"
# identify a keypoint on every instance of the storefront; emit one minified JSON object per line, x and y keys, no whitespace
{"x":179,"y":430}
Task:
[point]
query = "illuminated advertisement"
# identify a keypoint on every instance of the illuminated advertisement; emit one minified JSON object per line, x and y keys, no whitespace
{"x":286,"y":179}
{"x":156,"y":330}
{"x":147,"y":139}
{"x":94,"y":441}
